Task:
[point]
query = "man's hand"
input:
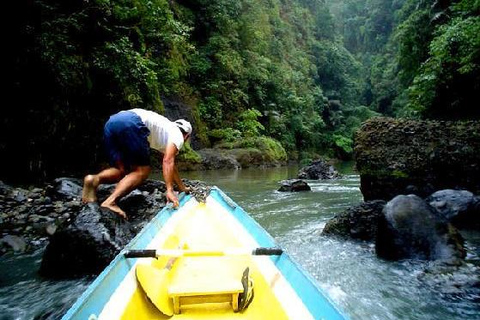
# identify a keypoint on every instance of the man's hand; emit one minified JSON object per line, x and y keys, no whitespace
{"x":171,"y":197}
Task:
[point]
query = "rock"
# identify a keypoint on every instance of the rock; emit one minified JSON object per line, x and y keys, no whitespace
{"x":20,"y":195}
{"x":357,"y":222}
{"x":318,"y":170}
{"x":410,"y":228}
{"x":460,"y":207}
{"x":294,"y":185}
{"x":213,"y":159}
{"x":50,"y":229}
{"x":458,"y":283}
{"x":15,"y":243}
{"x":67,"y":188}
{"x":198,"y":189}
{"x":87,"y":245}
{"x":400,"y":156}
{"x":5,"y":189}
{"x":152,"y":186}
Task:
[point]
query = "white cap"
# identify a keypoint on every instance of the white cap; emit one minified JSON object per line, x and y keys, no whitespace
{"x":184,"y":125}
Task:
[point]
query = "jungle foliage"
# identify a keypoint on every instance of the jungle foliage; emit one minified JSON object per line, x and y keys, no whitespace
{"x":304,"y":73}
{"x":423,"y":56}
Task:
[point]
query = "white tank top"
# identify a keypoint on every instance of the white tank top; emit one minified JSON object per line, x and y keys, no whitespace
{"x":162,"y":130}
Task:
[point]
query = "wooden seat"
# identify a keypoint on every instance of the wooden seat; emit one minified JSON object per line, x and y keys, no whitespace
{"x":202,"y":280}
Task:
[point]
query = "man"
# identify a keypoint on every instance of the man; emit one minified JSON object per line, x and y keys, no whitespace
{"x":129,"y":135}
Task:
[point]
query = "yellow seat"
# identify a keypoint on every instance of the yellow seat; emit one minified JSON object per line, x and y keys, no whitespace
{"x":202,"y":280}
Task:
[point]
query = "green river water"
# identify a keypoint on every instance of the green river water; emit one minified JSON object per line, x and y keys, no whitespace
{"x":363,"y":286}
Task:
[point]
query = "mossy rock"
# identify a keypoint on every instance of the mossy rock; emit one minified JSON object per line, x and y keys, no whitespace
{"x":399,"y":156}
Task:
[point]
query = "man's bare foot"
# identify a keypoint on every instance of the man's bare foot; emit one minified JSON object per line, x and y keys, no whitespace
{"x":90,"y":184}
{"x":115,"y":208}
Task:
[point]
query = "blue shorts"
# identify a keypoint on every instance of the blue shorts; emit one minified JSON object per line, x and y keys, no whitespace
{"x":126,"y":140}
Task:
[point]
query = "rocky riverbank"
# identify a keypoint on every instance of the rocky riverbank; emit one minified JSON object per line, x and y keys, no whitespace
{"x":30,"y":217}
{"x":420,"y":183}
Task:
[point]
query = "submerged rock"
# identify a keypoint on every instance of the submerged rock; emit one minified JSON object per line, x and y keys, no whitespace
{"x":411,"y":228}
{"x":357,"y":222}
{"x":294,"y":185}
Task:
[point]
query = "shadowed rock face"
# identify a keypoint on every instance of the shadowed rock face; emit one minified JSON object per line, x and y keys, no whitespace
{"x":396,"y":156}
{"x":87,"y":245}
{"x":411,"y":228}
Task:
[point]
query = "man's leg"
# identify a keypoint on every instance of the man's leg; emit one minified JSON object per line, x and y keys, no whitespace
{"x":92,"y":181}
{"x":124,"y":186}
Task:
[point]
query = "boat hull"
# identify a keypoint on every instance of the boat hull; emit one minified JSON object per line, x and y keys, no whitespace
{"x":282,"y":289}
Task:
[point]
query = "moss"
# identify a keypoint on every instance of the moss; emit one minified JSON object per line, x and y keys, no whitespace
{"x":187,"y":154}
{"x":399,"y":174}
{"x":271,"y":149}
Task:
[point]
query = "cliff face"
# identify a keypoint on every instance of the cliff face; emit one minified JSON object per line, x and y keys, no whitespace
{"x":398,"y":156}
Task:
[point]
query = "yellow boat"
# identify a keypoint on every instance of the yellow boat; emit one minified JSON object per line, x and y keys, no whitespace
{"x":203,"y":261}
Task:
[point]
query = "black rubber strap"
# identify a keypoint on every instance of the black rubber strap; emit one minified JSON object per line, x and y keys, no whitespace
{"x":267,"y":252}
{"x":147,"y":253}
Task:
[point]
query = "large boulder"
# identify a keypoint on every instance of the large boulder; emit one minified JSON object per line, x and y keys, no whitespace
{"x":399,"y":156}
{"x":87,"y":245}
{"x":357,"y":222}
{"x":460,"y":207}
{"x":87,"y":242}
{"x":411,"y":228}
{"x":318,"y":170}
{"x":213,"y":159}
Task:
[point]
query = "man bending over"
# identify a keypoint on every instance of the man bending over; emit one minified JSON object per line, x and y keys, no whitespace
{"x":129,"y":135}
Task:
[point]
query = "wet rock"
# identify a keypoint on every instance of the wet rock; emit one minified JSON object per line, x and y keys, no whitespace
{"x":11,"y":242}
{"x":411,"y":228}
{"x":318,"y":170}
{"x":152,"y":186}
{"x":294,"y":185}
{"x":459,"y":283}
{"x":358,"y":222}
{"x":45,"y":213}
{"x":67,"y":188}
{"x":20,"y":195}
{"x":5,"y":189}
{"x":90,"y":238}
{"x":50,"y":229}
{"x":87,"y":245}
{"x":198,"y":189}
{"x":460,"y":207}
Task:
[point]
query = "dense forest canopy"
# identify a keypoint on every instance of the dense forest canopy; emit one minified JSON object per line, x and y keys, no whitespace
{"x":305,"y":73}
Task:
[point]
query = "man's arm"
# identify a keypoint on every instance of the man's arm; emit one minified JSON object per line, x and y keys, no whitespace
{"x":170,"y":173}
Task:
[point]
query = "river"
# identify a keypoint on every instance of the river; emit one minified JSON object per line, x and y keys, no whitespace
{"x":363,"y":286}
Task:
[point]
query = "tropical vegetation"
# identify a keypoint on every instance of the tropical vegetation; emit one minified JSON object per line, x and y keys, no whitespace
{"x":301,"y":75}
